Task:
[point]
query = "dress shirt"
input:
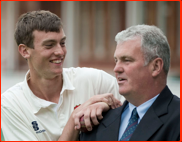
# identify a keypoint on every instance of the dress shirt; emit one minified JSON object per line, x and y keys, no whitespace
{"x":125,"y":116}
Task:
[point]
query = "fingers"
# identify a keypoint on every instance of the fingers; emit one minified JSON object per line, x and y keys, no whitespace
{"x":76,"y":117}
{"x":82,"y":118}
{"x":77,"y":123}
{"x":111,"y":100}
{"x":99,"y":114}
{"x":107,"y":98}
{"x":90,"y":114}
{"x":87,"y":120}
{"x":94,"y":117}
{"x":92,"y":110}
{"x":118,"y":103}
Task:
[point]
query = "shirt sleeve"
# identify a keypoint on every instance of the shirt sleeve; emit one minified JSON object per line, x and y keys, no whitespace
{"x":13,"y":127}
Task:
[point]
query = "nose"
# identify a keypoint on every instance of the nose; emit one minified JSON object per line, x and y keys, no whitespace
{"x":118,"y":68}
{"x":59,"y":51}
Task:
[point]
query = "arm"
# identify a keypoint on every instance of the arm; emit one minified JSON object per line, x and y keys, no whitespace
{"x":102,"y":83}
{"x":92,"y":110}
{"x":13,"y":126}
{"x":71,"y":132}
{"x":108,"y":83}
{"x":90,"y":116}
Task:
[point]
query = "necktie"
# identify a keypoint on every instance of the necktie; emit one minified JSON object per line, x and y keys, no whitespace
{"x":133,"y":122}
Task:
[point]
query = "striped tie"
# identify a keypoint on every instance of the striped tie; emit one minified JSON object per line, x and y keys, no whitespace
{"x":133,"y":122}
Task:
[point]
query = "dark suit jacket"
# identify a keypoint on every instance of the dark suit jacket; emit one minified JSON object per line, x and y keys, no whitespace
{"x":160,"y":123}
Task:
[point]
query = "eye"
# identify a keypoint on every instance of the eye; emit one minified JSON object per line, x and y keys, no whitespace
{"x":127,"y":60}
{"x":115,"y":60}
{"x":49,"y":45}
{"x":63,"y":44}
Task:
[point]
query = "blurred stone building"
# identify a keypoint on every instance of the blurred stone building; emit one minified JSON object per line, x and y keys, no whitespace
{"x":90,"y":28}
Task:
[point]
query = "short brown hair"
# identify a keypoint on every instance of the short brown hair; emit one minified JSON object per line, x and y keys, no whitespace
{"x":35,"y":20}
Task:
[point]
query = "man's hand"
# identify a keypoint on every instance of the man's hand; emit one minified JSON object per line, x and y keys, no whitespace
{"x":88,"y":116}
{"x":91,"y":110}
{"x":109,"y":99}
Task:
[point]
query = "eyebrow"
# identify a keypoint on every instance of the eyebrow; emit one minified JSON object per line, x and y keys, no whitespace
{"x":52,"y":40}
{"x":123,"y":57}
{"x":64,"y":38}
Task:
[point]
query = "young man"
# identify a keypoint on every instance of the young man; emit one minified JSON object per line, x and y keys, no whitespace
{"x":41,"y":108}
{"x":151,"y":112}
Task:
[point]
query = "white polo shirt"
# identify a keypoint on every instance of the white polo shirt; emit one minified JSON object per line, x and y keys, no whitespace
{"x":25,"y":117}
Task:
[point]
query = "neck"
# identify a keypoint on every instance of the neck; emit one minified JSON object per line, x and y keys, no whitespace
{"x":139,"y":98}
{"x":47,"y":89}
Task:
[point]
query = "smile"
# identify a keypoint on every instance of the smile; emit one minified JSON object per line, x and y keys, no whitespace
{"x":56,"y":61}
{"x":121,"y":79}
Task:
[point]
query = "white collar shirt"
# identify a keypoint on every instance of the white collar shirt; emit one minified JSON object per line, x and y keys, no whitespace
{"x":141,"y":110}
{"x":25,"y":117}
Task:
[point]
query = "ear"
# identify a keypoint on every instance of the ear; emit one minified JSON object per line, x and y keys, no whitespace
{"x":157,"y":66}
{"x":24,"y":51}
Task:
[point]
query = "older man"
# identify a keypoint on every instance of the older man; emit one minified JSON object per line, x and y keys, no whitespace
{"x":151,"y":111}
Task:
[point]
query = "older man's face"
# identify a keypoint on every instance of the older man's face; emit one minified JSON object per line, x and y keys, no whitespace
{"x":131,"y":74}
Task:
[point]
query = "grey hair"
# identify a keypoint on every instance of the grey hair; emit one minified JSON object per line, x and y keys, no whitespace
{"x":153,"y":43}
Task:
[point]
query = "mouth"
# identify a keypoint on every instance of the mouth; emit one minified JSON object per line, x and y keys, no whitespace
{"x":56,"y":61}
{"x":120,"y":79}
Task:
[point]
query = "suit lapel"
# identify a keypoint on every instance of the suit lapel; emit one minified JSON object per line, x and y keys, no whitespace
{"x":147,"y":127}
{"x":151,"y":122}
{"x":109,"y":130}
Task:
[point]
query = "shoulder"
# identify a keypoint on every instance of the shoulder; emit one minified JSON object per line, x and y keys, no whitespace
{"x":174,"y":100}
{"x":174,"y":106}
{"x":174,"y":109}
{"x":172,"y":119}
{"x":113,"y":112}
{"x":167,"y":107}
{"x":167,"y":99}
{"x":111,"y":120}
{"x":81,"y":70}
{"x":85,"y":72}
{"x":10,"y":96}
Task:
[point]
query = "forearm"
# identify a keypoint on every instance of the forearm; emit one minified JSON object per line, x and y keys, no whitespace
{"x":106,"y":107}
{"x":69,"y":133}
{"x":88,"y":113}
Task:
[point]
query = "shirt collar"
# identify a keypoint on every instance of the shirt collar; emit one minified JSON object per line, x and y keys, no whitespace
{"x":142,"y":109}
{"x":38,"y":103}
{"x":67,"y":85}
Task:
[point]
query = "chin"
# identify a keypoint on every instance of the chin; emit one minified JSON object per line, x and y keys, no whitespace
{"x":58,"y":71}
{"x":123,"y":92}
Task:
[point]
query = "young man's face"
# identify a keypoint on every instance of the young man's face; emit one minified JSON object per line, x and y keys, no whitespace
{"x":131,"y":74}
{"x":47,"y":57}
